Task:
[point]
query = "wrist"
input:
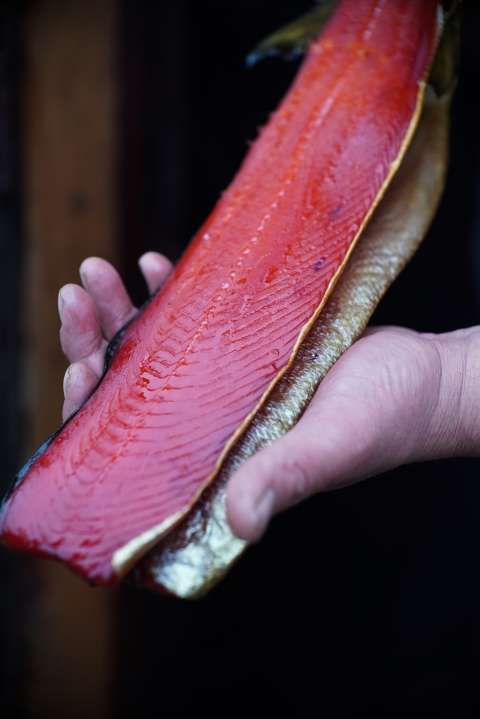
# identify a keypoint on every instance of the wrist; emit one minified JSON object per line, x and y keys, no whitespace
{"x":454,"y":429}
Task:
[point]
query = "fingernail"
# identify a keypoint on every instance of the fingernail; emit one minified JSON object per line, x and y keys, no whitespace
{"x":61,"y":305}
{"x":83,"y":277}
{"x":66,"y":380}
{"x":263,"y":513}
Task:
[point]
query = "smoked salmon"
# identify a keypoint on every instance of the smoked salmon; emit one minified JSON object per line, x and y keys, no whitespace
{"x":193,"y":369}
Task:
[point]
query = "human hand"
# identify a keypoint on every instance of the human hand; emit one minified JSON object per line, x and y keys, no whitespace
{"x":396,"y":396}
{"x":92,"y":316}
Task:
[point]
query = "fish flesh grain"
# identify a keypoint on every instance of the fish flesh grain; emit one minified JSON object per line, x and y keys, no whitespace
{"x":195,"y":366}
{"x":197,"y":554}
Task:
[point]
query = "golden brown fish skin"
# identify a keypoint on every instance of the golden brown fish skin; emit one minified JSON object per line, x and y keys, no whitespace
{"x":201,"y":550}
{"x":292,"y":40}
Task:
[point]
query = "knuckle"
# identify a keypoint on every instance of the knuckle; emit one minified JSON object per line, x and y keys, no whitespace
{"x":297,"y":478}
{"x":88,"y":348}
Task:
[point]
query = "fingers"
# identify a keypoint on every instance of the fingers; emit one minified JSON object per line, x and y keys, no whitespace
{"x":109,"y":296}
{"x":155,"y":268}
{"x":105,"y":287}
{"x":80,"y":381}
{"x":80,"y":334}
{"x":103,"y":305}
{"x":82,"y":342}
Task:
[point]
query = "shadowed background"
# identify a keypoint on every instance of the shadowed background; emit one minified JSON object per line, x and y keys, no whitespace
{"x":120,"y":123}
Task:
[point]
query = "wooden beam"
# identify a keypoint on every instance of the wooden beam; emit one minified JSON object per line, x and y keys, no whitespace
{"x":69,"y":145}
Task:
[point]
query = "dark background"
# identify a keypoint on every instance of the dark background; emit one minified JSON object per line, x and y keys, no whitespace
{"x":365,"y":599}
{"x":11,"y":644}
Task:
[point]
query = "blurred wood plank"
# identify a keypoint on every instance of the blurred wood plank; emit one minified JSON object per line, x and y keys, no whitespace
{"x":69,"y":140}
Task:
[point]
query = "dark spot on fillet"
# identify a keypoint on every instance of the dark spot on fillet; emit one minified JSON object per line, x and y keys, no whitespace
{"x":318,"y":264}
{"x":334,"y":213}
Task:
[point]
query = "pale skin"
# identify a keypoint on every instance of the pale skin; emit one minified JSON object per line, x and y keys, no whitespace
{"x":396,"y":396}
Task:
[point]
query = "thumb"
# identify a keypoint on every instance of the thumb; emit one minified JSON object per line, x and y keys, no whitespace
{"x":371,"y":413}
{"x":315,"y":455}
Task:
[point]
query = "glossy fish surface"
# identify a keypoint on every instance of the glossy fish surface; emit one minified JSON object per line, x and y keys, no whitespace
{"x":194,"y":367}
{"x":198,"y":553}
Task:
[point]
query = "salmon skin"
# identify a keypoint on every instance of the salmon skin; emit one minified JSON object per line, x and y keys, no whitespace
{"x":194,"y":367}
